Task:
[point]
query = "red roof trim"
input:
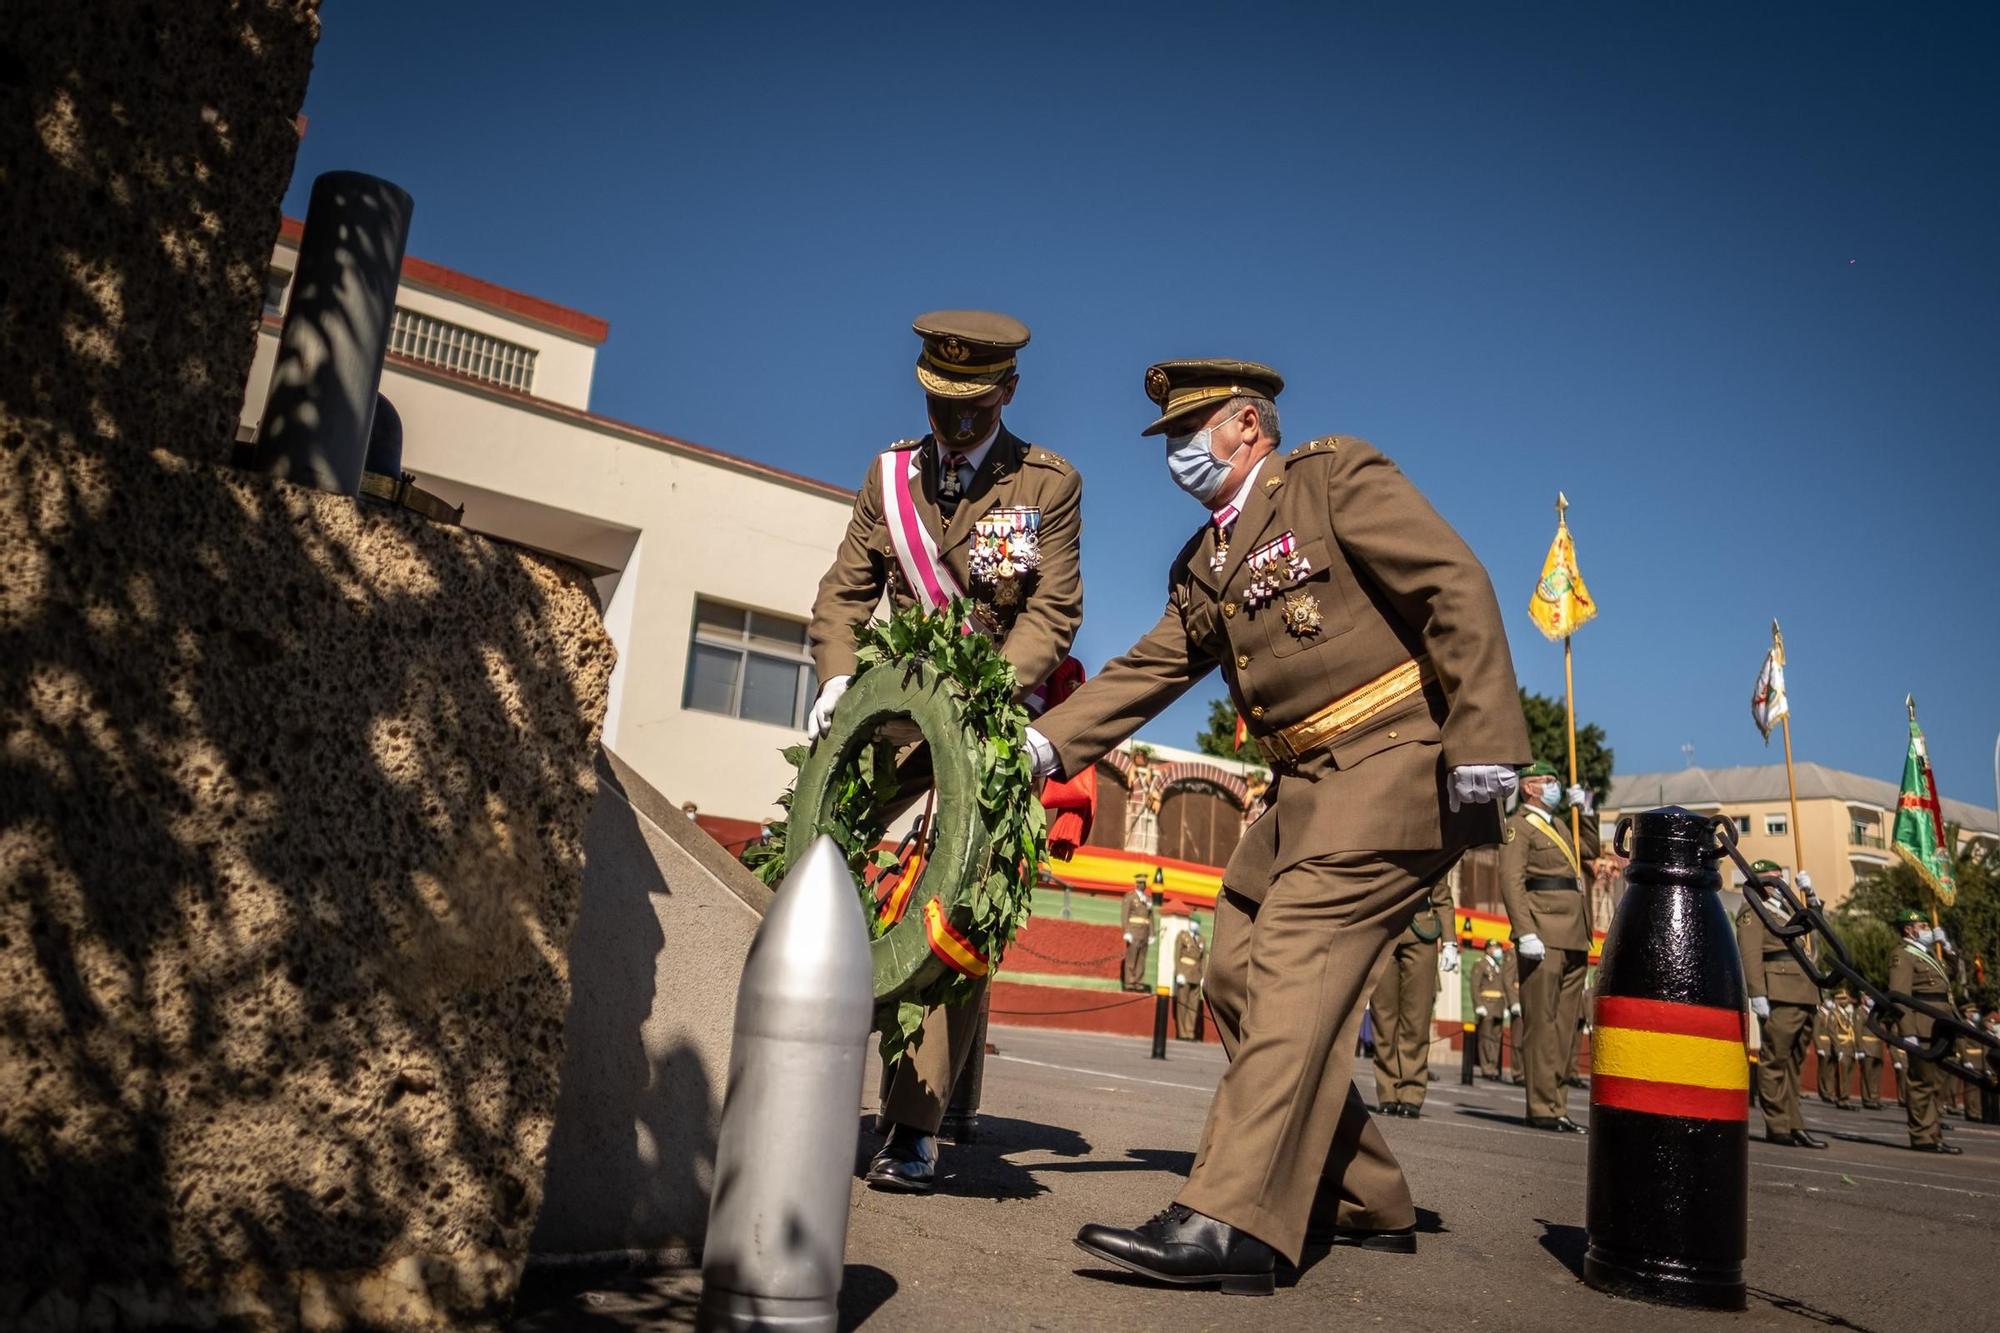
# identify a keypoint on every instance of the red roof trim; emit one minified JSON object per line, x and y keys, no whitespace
{"x":561,"y":319}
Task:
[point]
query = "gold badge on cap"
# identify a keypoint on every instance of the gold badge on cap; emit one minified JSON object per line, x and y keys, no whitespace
{"x":1157,"y":385}
{"x":951,"y":349}
{"x":1301,"y":614}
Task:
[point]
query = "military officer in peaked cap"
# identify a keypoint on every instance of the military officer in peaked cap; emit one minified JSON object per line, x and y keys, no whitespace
{"x":1361,"y":642}
{"x":929,"y":519}
{"x":1784,"y":999}
{"x":1545,"y":883}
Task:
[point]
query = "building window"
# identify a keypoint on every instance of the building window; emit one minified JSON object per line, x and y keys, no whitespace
{"x":437,"y":342}
{"x":275,"y":283}
{"x":1776,"y":826}
{"x":749,"y":664}
{"x":1742,"y":825}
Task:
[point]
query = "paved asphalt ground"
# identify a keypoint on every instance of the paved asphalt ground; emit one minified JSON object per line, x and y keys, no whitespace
{"x":1079,"y":1128}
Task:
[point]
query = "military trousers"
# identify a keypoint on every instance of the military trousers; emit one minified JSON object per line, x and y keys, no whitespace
{"x":1832,"y":1081}
{"x":1187,"y":1005}
{"x":1133,"y":974}
{"x":1781,"y":1062}
{"x":1491,"y":1028}
{"x":1287,"y":979}
{"x":921,"y":1084}
{"x":1404,"y":1000}
{"x":1551,"y":1007}
{"x":1871,"y":1079}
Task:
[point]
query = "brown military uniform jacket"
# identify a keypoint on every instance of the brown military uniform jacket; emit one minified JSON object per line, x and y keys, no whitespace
{"x":1529,"y":850}
{"x":1768,"y":967}
{"x":1391,"y":581}
{"x":1495,"y":985}
{"x":1917,"y":972}
{"x":1843,"y":1024}
{"x":1190,"y":957}
{"x":1138,"y":916}
{"x":1033,"y":632}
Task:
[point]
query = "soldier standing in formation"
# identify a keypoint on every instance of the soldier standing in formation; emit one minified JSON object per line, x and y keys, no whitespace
{"x":1916,"y":971}
{"x":1190,"y":961}
{"x":1972,"y":1052}
{"x":1545,"y":885}
{"x":1841,"y":1041}
{"x":1405,"y":999}
{"x":927,"y":521}
{"x":1138,"y":937}
{"x":1363,"y":646}
{"x":1868,"y":1056}
{"x":1785,"y":1001}
{"x":1495,"y":996}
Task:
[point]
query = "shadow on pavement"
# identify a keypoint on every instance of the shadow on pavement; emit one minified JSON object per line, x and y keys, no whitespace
{"x":1812,"y":1314}
{"x":864,"y":1289}
{"x":597,"y":1299}
{"x":1518,"y":1120}
{"x":981,"y":1169}
{"x":1566,"y":1243}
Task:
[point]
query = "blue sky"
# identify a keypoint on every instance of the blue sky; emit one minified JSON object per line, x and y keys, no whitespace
{"x":1726,"y":275}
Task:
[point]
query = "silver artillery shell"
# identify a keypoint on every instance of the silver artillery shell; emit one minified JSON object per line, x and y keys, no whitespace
{"x":777,"y":1221}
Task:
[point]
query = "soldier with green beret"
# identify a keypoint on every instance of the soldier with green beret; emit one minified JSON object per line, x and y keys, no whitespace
{"x":1916,"y":970}
{"x":970,"y":509}
{"x":1545,"y":883}
{"x":1362,"y":645}
{"x":1786,"y":1003}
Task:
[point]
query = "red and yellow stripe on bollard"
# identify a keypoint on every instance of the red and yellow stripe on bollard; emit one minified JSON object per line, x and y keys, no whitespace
{"x":1663,"y":1058}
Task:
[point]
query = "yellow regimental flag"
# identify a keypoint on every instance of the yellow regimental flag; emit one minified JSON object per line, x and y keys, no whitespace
{"x":1561,"y":603}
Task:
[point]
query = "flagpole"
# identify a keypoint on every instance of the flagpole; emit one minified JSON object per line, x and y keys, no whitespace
{"x":1791,"y":782}
{"x":1569,"y":714}
{"x":1910,"y":703}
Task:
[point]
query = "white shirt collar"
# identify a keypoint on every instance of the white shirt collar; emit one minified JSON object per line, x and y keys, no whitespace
{"x":1237,"y":501}
{"x":976,"y":455}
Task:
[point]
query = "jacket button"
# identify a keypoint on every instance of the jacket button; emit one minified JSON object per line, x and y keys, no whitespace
{"x":1242,"y":660}
{"x":1229,"y":608}
{"x":1392,"y":735}
{"x":1257,"y":710}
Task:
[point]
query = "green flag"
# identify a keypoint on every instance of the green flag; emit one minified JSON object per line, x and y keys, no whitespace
{"x":1919,"y":836}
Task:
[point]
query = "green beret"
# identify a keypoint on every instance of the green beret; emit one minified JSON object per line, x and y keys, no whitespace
{"x":1767,"y":867}
{"x":1541,"y":768}
{"x":1910,"y":916}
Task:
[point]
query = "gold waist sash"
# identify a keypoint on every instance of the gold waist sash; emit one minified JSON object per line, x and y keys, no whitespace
{"x":1351,"y":710}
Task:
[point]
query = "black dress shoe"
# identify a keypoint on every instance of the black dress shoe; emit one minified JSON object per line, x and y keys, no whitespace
{"x":1948,"y":1149}
{"x":906,"y":1164}
{"x":1410,"y":1111}
{"x":1187,"y":1249}
{"x":1871,"y":1106}
{"x":1559,"y":1124}
{"x":1402,"y":1240}
{"x":1844,"y":1106}
{"x":1798,"y":1138}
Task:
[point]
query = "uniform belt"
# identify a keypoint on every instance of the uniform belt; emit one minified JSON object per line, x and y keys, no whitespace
{"x":1552,"y":882}
{"x":1349,"y":711}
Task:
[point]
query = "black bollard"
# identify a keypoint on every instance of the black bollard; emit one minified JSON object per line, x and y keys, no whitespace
{"x":323,"y":391}
{"x":1162,"y":997}
{"x":1669,"y":1120}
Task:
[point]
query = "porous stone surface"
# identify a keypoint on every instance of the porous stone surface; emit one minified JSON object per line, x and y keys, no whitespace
{"x":292,"y":805}
{"x":144,"y":151}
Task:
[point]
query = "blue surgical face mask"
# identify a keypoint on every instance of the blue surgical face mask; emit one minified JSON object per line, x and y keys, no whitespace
{"x":1195,"y":467}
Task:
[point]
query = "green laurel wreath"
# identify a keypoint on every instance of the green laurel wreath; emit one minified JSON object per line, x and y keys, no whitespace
{"x":997,"y":892}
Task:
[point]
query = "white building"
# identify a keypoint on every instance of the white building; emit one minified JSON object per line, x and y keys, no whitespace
{"x":493,"y":387}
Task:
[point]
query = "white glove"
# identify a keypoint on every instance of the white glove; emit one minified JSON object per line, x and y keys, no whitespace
{"x":1803,"y":882}
{"x":1128,"y":937}
{"x":1514,"y":1011}
{"x":1530,"y":947}
{"x":1448,"y":957}
{"x":822,"y":710}
{"x":1476,"y":784}
{"x":1760,"y":1005}
{"x":1939,"y":937}
{"x":1479,"y":1011}
{"x":1043,"y":753}
{"x":1179,"y":980}
{"x":1580,"y":798}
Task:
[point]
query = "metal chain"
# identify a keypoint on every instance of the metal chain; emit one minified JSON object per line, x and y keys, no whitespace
{"x":1808,"y":918}
{"x":1027,"y":948}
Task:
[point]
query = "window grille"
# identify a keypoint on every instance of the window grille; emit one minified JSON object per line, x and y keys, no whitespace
{"x":437,"y":342}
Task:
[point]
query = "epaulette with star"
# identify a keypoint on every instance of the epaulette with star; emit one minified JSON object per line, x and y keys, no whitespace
{"x":1324,"y":446}
{"x":906,"y":444}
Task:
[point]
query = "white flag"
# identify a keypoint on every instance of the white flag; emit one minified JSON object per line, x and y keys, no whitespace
{"x":1767,"y":702}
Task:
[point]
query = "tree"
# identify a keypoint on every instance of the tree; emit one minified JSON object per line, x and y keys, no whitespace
{"x":1548,"y":738}
{"x":1971,"y":923}
{"x":1220,"y":737}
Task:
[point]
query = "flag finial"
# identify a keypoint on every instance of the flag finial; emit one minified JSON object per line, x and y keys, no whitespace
{"x":1910,"y":702}
{"x":1562,"y":503}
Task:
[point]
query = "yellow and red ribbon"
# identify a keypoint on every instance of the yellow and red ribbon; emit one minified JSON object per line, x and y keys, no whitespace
{"x":1663,"y":1058}
{"x":953,"y":949}
{"x":897,"y":900}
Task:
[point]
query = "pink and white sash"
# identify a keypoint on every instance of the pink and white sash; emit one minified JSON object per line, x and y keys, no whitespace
{"x":916,"y":550}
